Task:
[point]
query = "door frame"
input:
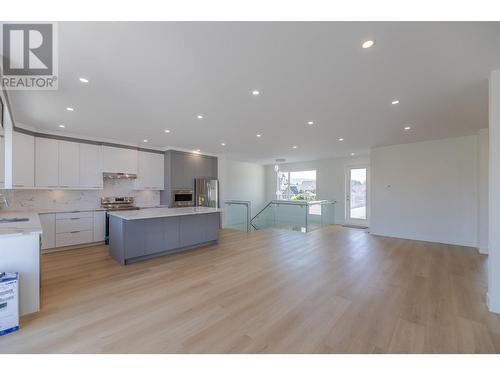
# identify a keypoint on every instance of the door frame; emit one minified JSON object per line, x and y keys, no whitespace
{"x":347,"y":217}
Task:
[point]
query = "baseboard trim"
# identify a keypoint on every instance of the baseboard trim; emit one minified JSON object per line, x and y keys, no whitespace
{"x":483,"y":250}
{"x":424,"y":239}
{"x":72,"y":247}
{"x":493,"y":305}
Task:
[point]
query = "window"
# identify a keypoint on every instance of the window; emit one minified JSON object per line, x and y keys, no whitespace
{"x":299,"y":185}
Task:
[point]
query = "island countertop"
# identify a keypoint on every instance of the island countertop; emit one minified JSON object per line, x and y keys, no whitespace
{"x":151,"y":213}
{"x":20,"y":228}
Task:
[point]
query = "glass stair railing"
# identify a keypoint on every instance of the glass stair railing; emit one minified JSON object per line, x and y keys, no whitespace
{"x":237,"y":215}
{"x":302,"y":216}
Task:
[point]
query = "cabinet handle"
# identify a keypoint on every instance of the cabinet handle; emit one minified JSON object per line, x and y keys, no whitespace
{"x":75,"y":231}
{"x":75,"y":218}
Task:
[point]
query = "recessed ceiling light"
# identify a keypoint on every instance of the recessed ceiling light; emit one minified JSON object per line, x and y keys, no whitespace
{"x":341,"y":139}
{"x":199,"y":116}
{"x":310,"y":123}
{"x":197,"y":151}
{"x":352,"y":154}
{"x":294,"y":146}
{"x":368,"y":43}
{"x":395,"y":101}
{"x":255,"y":92}
{"x":84,"y":80}
{"x":407,"y":127}
{"x":258,"y":135}
{"x":222,"y":144}
{"x":145,"y":141}
{"x":62,"y":126}
{"x":167,"y":131}
{"x":71,"y":109}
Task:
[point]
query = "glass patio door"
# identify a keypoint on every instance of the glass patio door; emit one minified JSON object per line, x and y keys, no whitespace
{"x":357,"y":196}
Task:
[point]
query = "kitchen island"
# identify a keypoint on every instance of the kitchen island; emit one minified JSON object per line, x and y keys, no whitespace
{"x":20,"y":252}
{"x":147,"y":233}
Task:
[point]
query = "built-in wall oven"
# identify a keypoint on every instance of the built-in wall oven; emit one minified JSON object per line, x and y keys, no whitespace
{"x":182,"y":198}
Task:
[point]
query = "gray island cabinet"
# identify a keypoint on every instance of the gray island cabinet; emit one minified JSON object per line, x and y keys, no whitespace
{"x":147,"y":233}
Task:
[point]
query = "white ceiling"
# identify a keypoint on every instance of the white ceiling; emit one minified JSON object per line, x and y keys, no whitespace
{"x":147,"y":77}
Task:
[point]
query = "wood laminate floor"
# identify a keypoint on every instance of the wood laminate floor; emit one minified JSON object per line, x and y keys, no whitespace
{"x":334,"y":290}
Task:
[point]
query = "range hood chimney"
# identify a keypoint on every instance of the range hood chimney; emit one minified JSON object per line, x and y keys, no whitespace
{"x":117,"y":176}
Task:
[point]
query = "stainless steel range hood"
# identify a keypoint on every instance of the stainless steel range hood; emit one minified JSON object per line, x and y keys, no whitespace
{"x":115,"y":176}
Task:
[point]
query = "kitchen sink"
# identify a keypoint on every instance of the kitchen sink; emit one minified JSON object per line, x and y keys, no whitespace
{"x":13,"y":219}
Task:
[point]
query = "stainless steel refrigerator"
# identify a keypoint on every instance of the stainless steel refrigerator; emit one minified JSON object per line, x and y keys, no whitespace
{"x":206,"y":192}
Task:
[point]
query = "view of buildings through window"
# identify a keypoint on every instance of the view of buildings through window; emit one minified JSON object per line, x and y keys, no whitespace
{"x":299,"y":185}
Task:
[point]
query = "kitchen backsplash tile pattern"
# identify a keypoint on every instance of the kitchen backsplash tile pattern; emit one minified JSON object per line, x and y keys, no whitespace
{"x":78,"y":199}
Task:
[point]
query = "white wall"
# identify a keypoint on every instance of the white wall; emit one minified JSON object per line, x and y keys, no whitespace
{"x":494,"y":195}
{"x":330,"y":179}
{"x":427,"y":191}
{"x":483,"y":139}
{"x":241,"y":181}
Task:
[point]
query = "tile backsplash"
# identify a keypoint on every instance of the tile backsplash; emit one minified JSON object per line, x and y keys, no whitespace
{"x":78,"y":199}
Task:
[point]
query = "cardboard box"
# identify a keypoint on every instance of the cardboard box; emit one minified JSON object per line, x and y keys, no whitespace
{"x":9,"y":303}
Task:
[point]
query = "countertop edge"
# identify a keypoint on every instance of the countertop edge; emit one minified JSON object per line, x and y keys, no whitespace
{"x":122,"y":216}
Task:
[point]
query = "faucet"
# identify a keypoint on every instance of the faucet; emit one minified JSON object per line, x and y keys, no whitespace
{"x":3,"y":201}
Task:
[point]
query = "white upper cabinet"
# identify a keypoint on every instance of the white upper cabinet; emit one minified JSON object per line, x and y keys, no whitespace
{"x":62,"y":164}
{"x":91,"y":166}
{"x":69,"y":163}
{"x":150,"y":171}
{"x":47,"y":162}
{"x":119,"y":160}
{"x":23,"y":160}
{"x":2,"y":162}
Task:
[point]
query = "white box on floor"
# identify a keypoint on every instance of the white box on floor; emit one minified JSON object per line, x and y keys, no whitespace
{"x":9,"y":303}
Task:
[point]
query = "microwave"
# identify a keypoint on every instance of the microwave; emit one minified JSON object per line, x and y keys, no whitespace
{"x":182,"y":198}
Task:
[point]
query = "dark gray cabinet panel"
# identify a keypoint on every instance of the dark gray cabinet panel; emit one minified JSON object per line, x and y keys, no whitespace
{"x":116,"y":244}
{"x":134,"y":236}
{"x":171,"y":228}
{"x":155,"y":235}
{"x":192,"y":229}
{"x":212,"y":224}
{"x":183,"y":170}
{"x":205,"y":167}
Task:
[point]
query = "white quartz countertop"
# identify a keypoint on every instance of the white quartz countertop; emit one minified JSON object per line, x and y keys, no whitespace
{"x":29,"y":210}
{"x":151,"y":213}
{"x":20,"y":228}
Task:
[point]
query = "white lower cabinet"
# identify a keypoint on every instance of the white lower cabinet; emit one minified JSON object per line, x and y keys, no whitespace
{"x":74,"y":225}
{"x":72,"y":228}
{"x":99,"y":225}
{"x":48,"y":222}
{"x":74,"y":238}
